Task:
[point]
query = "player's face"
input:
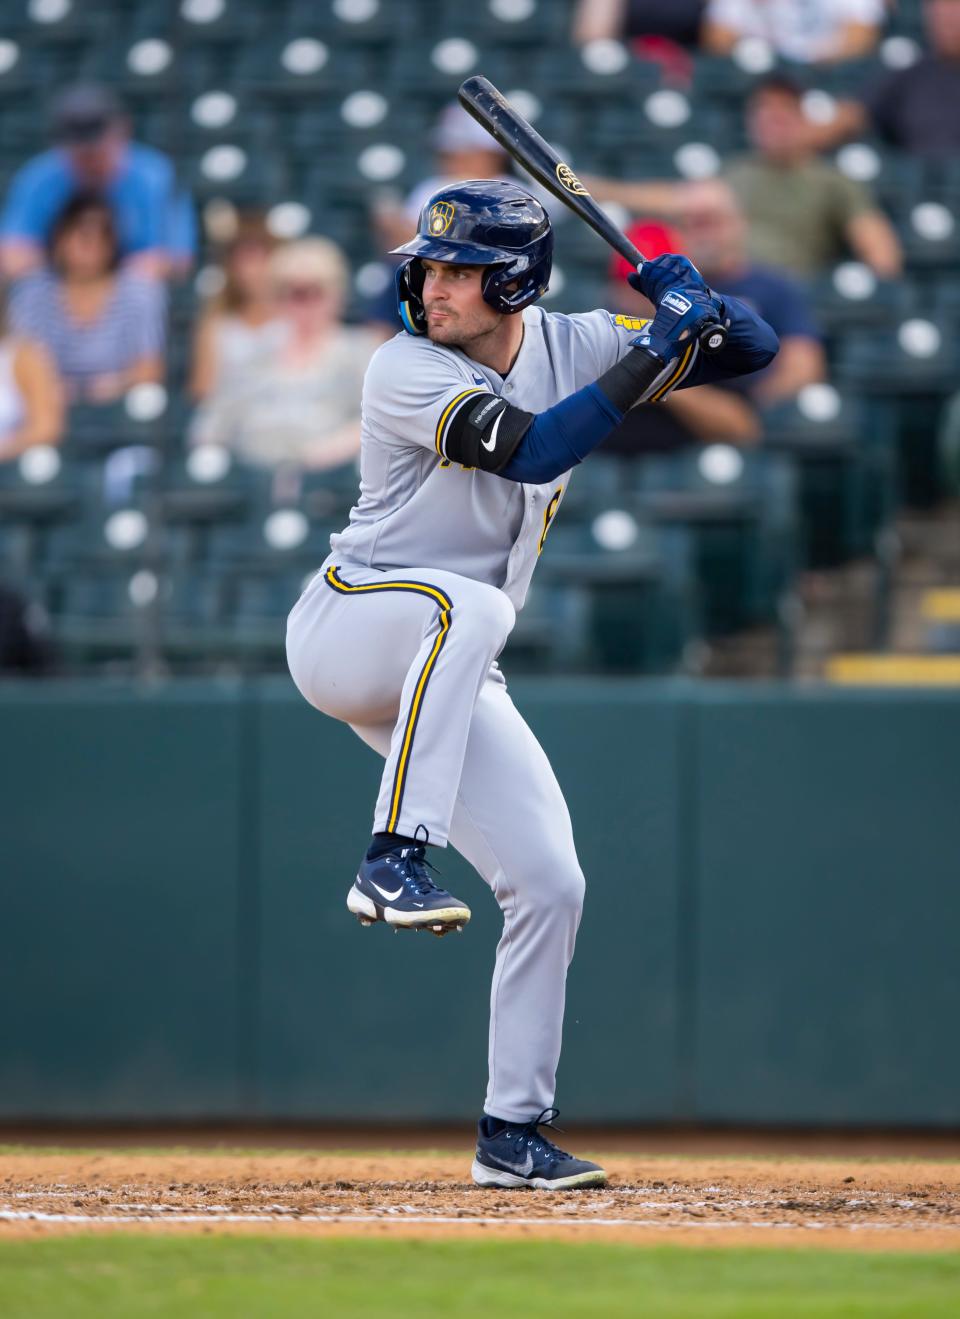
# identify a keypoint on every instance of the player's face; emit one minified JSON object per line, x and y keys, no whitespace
{"x":454,"y":305}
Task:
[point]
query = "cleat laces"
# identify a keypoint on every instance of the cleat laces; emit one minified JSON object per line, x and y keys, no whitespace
{"x":529,"y":1136}
{"x":413,"y":864}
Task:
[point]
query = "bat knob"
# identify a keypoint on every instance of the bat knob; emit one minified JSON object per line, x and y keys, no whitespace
{"x":712,"y":337}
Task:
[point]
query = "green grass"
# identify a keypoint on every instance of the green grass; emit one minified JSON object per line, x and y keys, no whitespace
{"x":245,"y":1277}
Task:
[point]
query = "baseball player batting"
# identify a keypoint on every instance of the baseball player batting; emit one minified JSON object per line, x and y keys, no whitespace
{"x":474,"y":417}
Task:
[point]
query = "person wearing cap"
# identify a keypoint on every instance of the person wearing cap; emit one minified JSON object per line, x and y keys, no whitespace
{"x":93,"y":153}
{"x":464,"y":150}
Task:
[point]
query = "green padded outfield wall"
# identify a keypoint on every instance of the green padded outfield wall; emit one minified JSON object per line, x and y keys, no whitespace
{"x":770,"y":933}
{"x":120,"y":883}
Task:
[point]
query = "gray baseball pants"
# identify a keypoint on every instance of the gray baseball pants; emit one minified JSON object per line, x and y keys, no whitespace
{"x":406,"y":658}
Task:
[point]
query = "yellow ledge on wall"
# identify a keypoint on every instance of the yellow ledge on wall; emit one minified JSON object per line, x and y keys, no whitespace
{"x":894,"y":670}
{"x":942,"y":606}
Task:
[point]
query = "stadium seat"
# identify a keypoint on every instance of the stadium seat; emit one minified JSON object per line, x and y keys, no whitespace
{"x":260,"y":603}
{"x":146,"y":415}
{"x":193,"y":617}
{"x":905,"y":375}
{"x":104,"y":615}
{"x":740,"y":508}
{"x":241,"y":171}
{"x":627,"y":590}
{"x":930,"y":234}
{"x":204,"y":22}
{"x":204,"y":489}
{"x":295,"y":68}
{"x":534,"y":23}
{"x":431,"y":72}
{"x":279,"y":539}
{"x":850,"y":297}
{"x":846,"y":472}
{"x":38,"y":491}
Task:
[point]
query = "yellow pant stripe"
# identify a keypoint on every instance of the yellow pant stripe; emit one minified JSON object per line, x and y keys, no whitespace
{"x":441,"y":598}
{"x":676,"y":375}
{"x":548,"y":515}
{"x":445,"y":415}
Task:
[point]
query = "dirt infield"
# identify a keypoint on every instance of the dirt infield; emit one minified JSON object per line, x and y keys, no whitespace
{"x":854,"y":1203}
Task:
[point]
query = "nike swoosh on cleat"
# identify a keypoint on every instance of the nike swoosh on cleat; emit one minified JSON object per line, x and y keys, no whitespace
{"x":521,"y":1169}
{"x":491,"y":444}
{"x":384,"y":894}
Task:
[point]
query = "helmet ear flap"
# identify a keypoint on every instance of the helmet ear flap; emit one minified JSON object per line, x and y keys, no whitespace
{"x":409,"y":279}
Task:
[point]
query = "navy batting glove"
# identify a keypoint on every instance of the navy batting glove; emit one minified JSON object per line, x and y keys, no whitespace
{"x":682,"y":313}
{"x":654,"y":278}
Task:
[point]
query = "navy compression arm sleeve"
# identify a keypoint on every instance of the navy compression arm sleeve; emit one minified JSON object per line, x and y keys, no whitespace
{"x":751,"y":344}
{"x":562,"y":436}
{"x":489,"y":433}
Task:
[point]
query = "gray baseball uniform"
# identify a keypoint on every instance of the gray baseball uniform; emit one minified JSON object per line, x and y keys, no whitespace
{"x":398,"y":636}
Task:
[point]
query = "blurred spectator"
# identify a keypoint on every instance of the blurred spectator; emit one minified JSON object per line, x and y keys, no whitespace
{"x":300,"y":403}
{"x":94,"y":154}
{"x":916,"y":109}
{"x":663,"y":33}
{"x":240,"y":324}
{"x":808,"y":31}
{"x":463,"y":150}
{"x":627,"y":20}
{"x":713,"y":235}
{"x":103,"y":325}
{"x":31,"y":398}
{"x":715,"y":238}
{"x":803,"y":215}
{"x":25,"y":647}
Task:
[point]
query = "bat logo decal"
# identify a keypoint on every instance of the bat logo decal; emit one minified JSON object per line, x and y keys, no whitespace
{"x":441,"y":217}
{"x":567,"y":179}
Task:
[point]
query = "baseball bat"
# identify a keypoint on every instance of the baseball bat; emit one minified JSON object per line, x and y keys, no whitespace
{"x":493,"y":111}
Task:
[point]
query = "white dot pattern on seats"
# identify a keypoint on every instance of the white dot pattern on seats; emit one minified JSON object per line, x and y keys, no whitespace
{"x":381,"y":161}
{"x":304,"y":56}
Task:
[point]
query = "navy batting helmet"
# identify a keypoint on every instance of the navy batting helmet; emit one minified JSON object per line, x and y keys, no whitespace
{"x":481,"y":222}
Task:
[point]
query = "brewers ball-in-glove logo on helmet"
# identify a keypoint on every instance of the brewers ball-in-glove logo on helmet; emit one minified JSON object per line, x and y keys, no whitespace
{"x":480,"y":222}
{"x":441,"y":215}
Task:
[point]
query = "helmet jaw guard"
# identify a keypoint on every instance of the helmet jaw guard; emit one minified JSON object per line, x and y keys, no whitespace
{"x":483,"y":222}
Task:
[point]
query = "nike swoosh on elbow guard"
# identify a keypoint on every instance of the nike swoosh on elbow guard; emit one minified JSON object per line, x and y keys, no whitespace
{"x":491,"y":444}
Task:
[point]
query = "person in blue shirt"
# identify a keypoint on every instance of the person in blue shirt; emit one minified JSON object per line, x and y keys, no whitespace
{"x":713,"y":234}
{"x":93,"y":153}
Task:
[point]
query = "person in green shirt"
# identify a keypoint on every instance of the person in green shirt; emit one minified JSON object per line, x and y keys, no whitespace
{"x":803,"y":215}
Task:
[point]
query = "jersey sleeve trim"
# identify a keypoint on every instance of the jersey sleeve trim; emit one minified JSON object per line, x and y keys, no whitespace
{"x":447,"y":415}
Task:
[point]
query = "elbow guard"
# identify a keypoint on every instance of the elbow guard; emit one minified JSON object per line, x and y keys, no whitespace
{"x":484,"y":431}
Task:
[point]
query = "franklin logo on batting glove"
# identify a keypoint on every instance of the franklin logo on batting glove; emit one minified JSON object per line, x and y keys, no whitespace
{"x":676,"y":302}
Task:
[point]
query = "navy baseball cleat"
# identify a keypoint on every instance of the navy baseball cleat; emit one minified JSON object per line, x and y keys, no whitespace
{"x":396,"y":888}
{"x":517,"y":1154}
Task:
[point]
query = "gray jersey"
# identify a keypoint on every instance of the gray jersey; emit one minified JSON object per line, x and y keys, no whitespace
{"x":419,"y":510}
